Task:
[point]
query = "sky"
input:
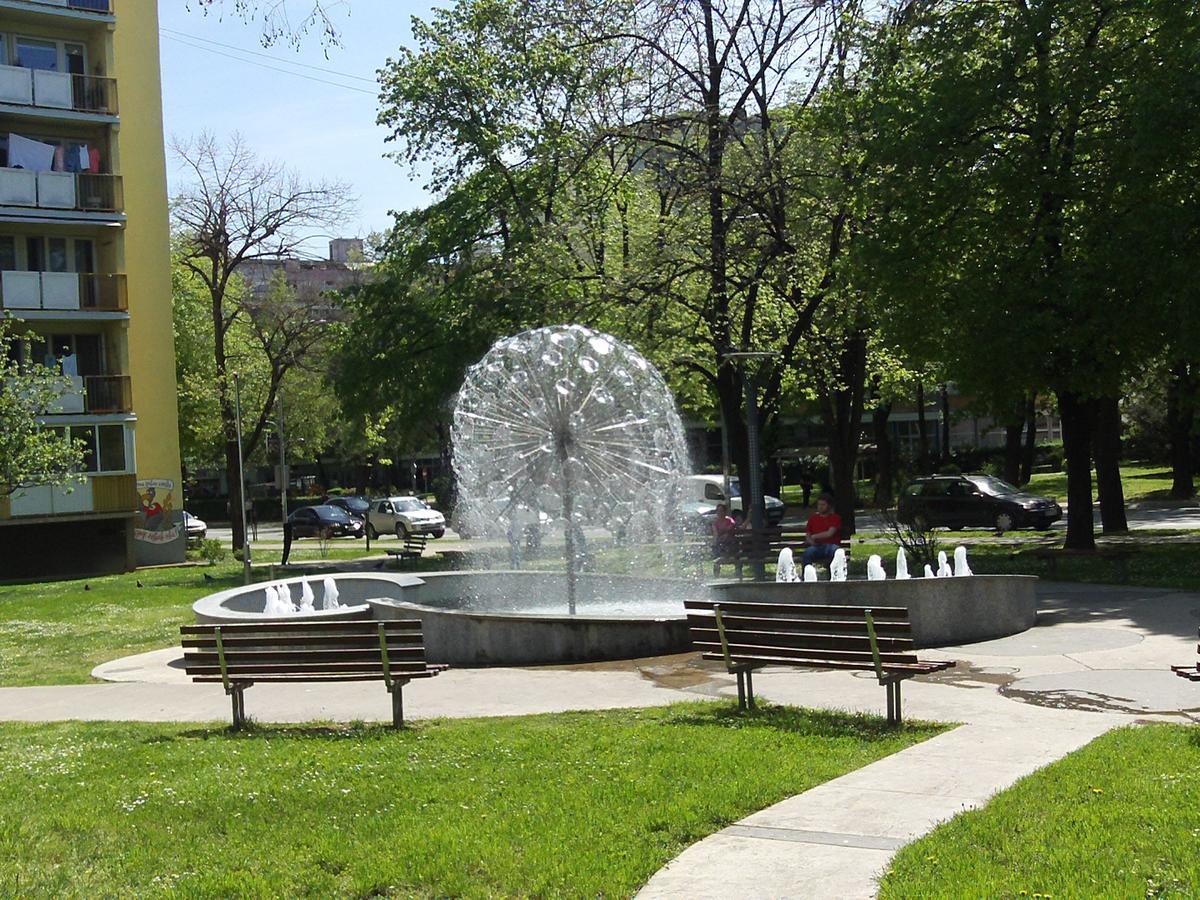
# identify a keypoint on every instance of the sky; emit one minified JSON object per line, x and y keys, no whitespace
{"x":218,"y":77}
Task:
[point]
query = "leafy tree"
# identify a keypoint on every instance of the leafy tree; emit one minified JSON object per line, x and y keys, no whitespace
{"x":31,"y":453}
{"x":238,"y":208}
{"x":1001,"y":193}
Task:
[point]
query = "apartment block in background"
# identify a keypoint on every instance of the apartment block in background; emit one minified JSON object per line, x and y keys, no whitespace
{"x":85,"y":265}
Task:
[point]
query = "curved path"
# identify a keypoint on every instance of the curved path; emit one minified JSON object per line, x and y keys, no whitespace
{"x":1097,"y":659}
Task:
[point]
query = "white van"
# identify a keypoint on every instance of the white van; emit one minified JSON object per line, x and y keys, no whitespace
{"x":702,"y":493}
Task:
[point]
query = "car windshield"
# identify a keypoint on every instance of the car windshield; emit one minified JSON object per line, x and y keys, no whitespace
{"x":734,"y":490}
{"x":410,"y":504}
{"x":335,"y":513}
{"x":357,"y":504}
{"x":989,"y":484}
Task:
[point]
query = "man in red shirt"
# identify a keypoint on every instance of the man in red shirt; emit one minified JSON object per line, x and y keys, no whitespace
{"x":824,"y":532}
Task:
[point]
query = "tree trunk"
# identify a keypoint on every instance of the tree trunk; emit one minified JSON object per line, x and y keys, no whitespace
{"x":729,"y":395}
{"x":885,"y":471}
{"x":1013,"y":452}
{"x":1181,"y":414}
{"x":842,"y":410}
{"x":1106,"y":431}
{"x":922,"y":432}
{"x":945,"y":435}
{"x":1030,"y":440}
{"x":1077,"y":448}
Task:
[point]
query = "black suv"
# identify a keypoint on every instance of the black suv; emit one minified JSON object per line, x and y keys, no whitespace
{"x":963,"y":501}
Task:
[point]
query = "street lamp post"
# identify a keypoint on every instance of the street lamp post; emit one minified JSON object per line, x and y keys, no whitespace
{"x":237,"y":406}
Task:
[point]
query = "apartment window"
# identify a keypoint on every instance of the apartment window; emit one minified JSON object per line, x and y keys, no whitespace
{"x":8,"y":253}
{"x":35,"y":54}
{"x":111,"y":442}
{"x":54,"y":254}
{"x":53,"y":56}
{"x":88,"y":350}
{"x":87,"y":434}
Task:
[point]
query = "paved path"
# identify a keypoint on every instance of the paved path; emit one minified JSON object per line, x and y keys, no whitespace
{"x":1097,"y":659}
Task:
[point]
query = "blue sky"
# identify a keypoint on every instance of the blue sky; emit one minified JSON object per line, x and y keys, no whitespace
{"x":218,"y":77}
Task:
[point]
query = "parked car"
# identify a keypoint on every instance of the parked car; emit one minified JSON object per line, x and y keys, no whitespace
{"x":962,"y":501}
{"x":356,"y":506}
{"x":195,"y":527}
{"x":403,"y":516}
{"x":324,"y":521}
{"x":702,"y":493}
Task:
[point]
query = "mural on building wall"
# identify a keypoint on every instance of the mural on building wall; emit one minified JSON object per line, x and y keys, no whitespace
{"x":157,"y":523}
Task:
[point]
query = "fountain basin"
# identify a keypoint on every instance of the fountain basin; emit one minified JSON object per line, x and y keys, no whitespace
{"x":943,"y":611}
{"x":247,"y":604}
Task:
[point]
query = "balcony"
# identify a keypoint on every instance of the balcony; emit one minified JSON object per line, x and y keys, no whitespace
{"x":63,"y":292}
{"x":98,"y":494}
{"x":99,"y":395}
{"x":80,"y":192}
{"x":85,"y":7}
{"x":43,"y":89}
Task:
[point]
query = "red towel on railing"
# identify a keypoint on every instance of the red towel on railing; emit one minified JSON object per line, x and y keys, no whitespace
{"x":93,"y":160}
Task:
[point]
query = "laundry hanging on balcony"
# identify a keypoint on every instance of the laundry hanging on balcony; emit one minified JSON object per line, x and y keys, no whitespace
{"x":32,"y":155}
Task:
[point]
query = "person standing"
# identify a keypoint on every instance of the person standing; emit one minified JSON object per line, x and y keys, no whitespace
{"x":823,"y":532}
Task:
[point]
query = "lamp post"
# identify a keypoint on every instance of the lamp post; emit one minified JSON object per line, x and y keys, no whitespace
{"x":237,"y":406}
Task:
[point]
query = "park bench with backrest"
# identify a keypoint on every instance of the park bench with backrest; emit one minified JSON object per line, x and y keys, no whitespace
{"x":755,"y":547}
{"x":1191,"y":673}
{"x":414,"y":548}
{"x":242,"y":654}
{"x":746,"y":636}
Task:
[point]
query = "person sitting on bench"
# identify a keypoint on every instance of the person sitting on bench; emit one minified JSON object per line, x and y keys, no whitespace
{"x":723,"y":528}
{"x":824,"y":532}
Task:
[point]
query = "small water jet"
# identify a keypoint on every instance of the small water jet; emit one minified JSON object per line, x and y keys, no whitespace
{"x":810,"y":573}
{"x":875,"y":568}
{"x":901,"y":565}
{"x":838,"y":567}
{"x":943,"y":569}
{"x":785,"y":568}
{"x":960,"y":562}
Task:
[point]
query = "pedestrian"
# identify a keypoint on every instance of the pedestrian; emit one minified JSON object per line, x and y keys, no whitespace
{"x":823,"y":532}
{"x":723,"y":529}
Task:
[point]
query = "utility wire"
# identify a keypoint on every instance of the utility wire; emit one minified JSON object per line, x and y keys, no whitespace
{"x":251,"y":62}
{"x":170,"y":32}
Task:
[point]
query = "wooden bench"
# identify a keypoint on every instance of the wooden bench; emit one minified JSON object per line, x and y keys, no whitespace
{"x":414,"y":548}
{"x":1051,"y":555}
{"x":747,"y":636}
{"x":239,"y":655}
{"x":1191,"y":673}
{"x":755,"y":547}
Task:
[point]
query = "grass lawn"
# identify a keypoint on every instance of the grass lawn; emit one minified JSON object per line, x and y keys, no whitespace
{"x":56,"y":632}
{"x":1118,"y":818}
{"x":574,"y":804}
{"x":1137,"y":481}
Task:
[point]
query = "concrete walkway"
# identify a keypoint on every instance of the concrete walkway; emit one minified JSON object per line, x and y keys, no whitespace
{"x":1098,"y":659}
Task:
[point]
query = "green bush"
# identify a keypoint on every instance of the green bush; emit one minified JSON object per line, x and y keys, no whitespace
{"x":212,"y":551}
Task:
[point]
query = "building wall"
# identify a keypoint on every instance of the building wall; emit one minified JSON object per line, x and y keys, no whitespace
{"x":147,"y":263}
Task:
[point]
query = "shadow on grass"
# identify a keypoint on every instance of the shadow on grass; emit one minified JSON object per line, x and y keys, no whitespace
{"x":802,"y":721}
{"x":258,"y":731}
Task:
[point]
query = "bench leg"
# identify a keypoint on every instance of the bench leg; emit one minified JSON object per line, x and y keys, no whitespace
{"x":899,"y":717}
{"x":741,"y":681}
{"x":750,"y":688}
{"x":893,"y":703}
{"x":238,"y":694}
{"x":398,"y":704}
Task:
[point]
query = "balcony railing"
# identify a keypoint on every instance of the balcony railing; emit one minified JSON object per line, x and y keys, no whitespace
{"x":102,"y":7}
{"x":77,"y":191}
{"x":97,"y":493}
{"x":44,"y":89}
{"x":86,"y":291}
{"x":107,"y":394}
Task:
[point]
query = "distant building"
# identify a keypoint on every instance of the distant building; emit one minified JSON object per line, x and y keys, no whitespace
{"x":313,"y":280}
{"x":85,"y":264}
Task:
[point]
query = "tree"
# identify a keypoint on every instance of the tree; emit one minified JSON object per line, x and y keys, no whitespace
{"x":31,"y":453}
{"x":1003,"y":196}
{"x":238,"y":208}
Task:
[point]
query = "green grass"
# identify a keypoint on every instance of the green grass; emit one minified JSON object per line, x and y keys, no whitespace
{"x":56,"y":632}
{"x":1138,"y":482}
{"x":1119,"y":818}
{"x":573,"y":804}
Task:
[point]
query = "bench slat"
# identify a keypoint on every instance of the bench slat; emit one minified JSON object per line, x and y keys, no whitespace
{"x":917,"y":668}
{"x":297,"y":668}
{"x":803,"y":638}
{"x":779,"y":623}
{"x":333,"y":641}
{"x":362,"y":626}
{"x":744,"y":650}
{"x":364,"y":676}
{"x":407,"y":653}
{"x":728,"y":607}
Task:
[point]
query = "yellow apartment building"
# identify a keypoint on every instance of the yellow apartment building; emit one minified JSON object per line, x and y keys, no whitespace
{"x":85,"y":265}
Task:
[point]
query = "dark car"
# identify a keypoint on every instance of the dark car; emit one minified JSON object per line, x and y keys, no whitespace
{"x":324,"y":521}
{"x":356,"y":506}
{"x":982,"y":501}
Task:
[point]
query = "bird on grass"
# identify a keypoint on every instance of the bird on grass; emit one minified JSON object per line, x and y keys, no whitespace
{"x":139,"y":583}
{"x":87,"y":587}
